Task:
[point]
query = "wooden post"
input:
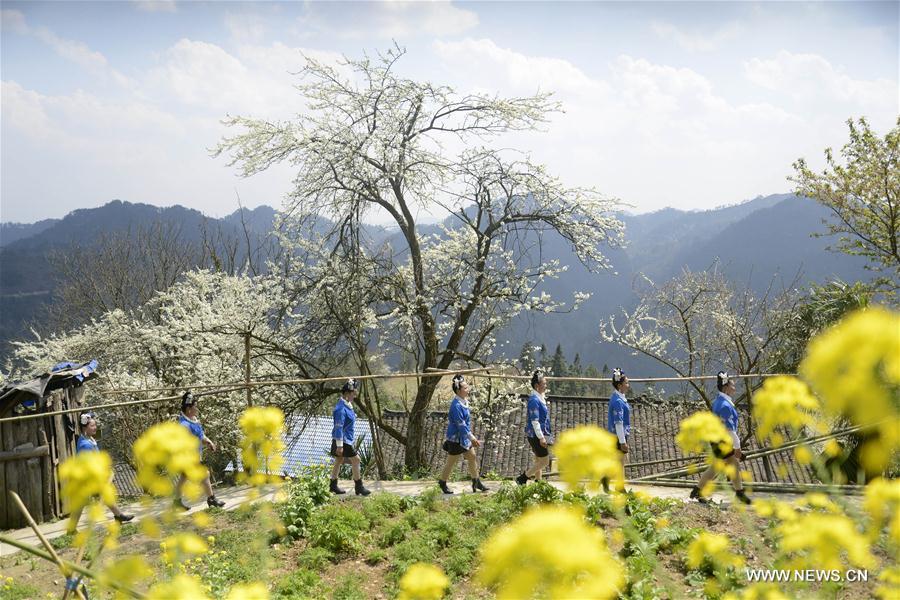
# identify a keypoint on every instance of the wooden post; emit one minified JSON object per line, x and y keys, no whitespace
{"x":247,"y":367}
{"x":4,"y":523}
{"x":46,"y":478}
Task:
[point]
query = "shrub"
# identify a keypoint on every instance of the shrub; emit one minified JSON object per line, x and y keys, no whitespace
{"x":393,"y":533}
{"x":314,"y":558}
{"x":430,"y":498}
{"x":441,"y":529}
{"x":523,"y":496}
{"x":304,"y":494}
{"x":380,"y":507}
{"x":409,"y":552}
{"x":415,"y":516}
{"x":300,"y":585}
{"x":337,"y":528}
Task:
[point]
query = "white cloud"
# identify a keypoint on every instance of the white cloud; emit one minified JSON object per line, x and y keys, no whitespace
{"x":394,"y":19}
{"x":77,"y":52}
{"x":650,"y":133}
{"x":401,"y":18}
{"x":71,"y":50}
{"x":810,"y":77}
{"x":13,"y":20}
{"x":245,"y":27}
{"x":696,"y":42}
{"x":156,"y":5}
{"x":255,"y":81}
{"x":518,"y":70}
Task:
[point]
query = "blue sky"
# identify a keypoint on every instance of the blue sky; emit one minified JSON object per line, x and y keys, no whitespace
{"x":684,"y":104}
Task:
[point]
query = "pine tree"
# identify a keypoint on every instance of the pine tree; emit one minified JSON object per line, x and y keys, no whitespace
{"x":592,"y":389}
{"x":575,"y":370}
{"x":558,"y":368}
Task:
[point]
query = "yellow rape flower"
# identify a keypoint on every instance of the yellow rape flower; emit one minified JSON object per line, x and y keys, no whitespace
{"x":182,"y":587}
{"x":423,"y":581}
{"x":882,"y":502}
{"x":175,"y":547}
{"x":167,"y":451}
{"x":890,"y":590}
{"x":701,"y":429}
{"x":570,"y":561}
{"x":248,"y":591}
{"x":83,"y":478}
{"x":821,"y":538}
{"x":126,"y":571}
{"x":710,"y":551}
{"x":783,"y":401}
{"x":588,"y":453}
{"x":201,"y":519}
{"x":854,"y":366}
{"x":262,"y":445}
{"x":757,"y":591}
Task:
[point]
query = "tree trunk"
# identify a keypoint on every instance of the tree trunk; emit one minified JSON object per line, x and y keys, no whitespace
{"x":414,"y":457}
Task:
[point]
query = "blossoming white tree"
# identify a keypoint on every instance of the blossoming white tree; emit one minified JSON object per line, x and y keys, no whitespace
{"x":371,"y":140}
{"x":189,"y":335}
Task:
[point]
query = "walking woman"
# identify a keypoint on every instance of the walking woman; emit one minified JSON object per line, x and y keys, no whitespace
{"x":723,"y":407}
{"x":537,"y":429}
{"x":342,"y":439}
{"x":460,"y":439}
{"x":618,"y":420}
{"x":190,"y":413}
{"x":87,"y":443}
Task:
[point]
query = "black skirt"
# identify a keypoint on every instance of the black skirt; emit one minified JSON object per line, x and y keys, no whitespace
{"x":535,"y":443}
{"x":719,"y":454}
{"x":454,"y":448}
{"x":349,"y":450}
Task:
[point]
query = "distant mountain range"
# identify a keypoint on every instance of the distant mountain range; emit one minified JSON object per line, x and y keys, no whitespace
{"x":753,"y":241}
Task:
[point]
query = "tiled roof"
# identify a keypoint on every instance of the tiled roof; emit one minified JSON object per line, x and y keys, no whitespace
{"x":307,"y":442}
{"x":654,"y":426}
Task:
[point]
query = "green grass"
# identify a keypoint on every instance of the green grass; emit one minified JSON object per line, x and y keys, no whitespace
{"x":301,"y":584}
{"x":12,"y":590}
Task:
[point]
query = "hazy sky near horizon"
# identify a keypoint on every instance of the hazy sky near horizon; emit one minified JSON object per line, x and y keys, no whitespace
{"x":684,"y":104}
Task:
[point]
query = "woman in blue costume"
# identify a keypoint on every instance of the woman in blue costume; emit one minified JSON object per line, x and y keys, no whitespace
{"x":460,"y":439}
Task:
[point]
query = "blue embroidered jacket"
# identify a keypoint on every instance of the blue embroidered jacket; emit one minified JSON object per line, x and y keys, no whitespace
{"x":344,"y":421}
{"x":537,"y":411}
{"x":459,"y":423}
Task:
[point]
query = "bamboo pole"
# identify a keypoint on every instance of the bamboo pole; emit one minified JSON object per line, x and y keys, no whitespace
{"x":66,"y":571}
{"x":114,"y":405}
{"x":429,"y":372}
{"x":760,"y":453}
{"x":78,"y":558}
{"x":762,"y":486}
{"x":648,"y":463}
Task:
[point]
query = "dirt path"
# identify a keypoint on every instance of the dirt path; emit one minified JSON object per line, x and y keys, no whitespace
{"x":235,"y":496}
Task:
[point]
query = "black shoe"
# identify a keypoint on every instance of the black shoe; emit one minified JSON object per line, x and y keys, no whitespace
{"x":742,"y":496}
{"x":359,"y":489}
{"x":695,"y":495}
{"x":334,"y":489}
{"x":605,"y":483}
{"x":444,"y":488}
{"x":179,"y":504}
{"x":214,"y":502}
{"x":123,"y":518}
{"x":522,"y":479}
{"x":477,"y":486}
